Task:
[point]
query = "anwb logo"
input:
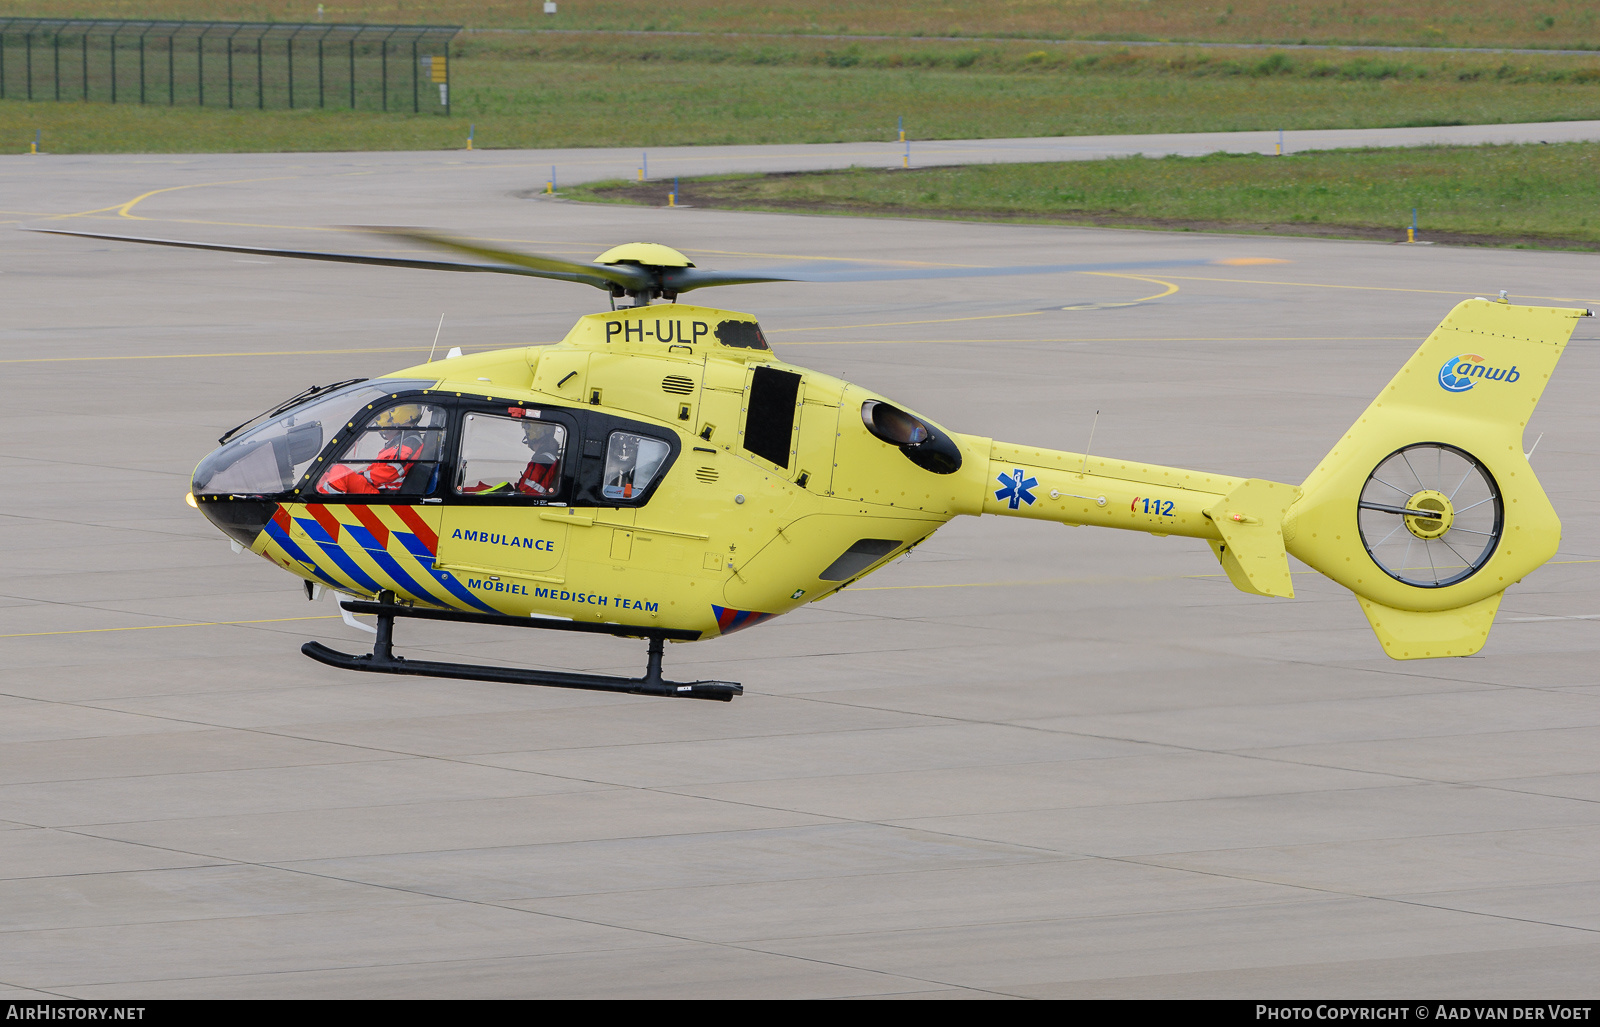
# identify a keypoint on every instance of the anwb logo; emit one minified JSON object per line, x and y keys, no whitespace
{"x":1462,"y":372}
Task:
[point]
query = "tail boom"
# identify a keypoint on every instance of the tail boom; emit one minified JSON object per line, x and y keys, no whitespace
{"x":1241,"y":518}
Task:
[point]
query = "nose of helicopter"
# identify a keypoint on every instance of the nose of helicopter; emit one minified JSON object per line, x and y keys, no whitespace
{"x":240,"y":518}
{"x":241,"y":514}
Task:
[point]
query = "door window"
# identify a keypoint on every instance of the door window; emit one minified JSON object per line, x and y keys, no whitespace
{"x":510,"y":456}
{"x":632,"y":462}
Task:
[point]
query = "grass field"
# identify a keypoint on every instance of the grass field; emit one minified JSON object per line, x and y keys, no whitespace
{"x":604,"y":90}
{"x":1551,"y":24}
{"x":1510,"y":195}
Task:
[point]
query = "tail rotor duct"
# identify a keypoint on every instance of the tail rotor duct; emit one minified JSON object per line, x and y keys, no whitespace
{"x":1430,"y":515}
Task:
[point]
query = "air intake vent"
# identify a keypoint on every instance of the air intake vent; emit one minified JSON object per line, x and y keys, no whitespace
{"x":706,"y":474}
{"x":677,"y":384}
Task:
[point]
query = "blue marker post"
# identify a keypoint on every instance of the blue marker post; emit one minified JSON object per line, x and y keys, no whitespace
{"x":1280,"y":142}
{"x":1411,"y":233}
{"x":672,"y":197}
{"x":644,"y":165}
{"x":905,"y":162}
{"x":471,"y":131}
{"x":35,"y":140}
{"x":900,"y":126}
{"x":550,"y":186}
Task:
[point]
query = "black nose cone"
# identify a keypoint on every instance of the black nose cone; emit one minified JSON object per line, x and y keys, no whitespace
{"x":240,"y":519}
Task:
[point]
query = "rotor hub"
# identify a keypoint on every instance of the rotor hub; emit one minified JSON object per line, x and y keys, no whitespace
{"x":1440,"y":514}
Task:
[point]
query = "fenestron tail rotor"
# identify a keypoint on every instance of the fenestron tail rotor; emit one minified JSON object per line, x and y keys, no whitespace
{"x":1430,"y":515}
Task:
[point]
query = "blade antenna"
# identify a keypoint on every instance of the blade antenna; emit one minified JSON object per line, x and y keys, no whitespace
{"x":1094,"y":424}
{"x":435,"y":345}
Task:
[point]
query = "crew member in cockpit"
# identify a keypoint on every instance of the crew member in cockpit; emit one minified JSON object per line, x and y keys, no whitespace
{"x":541,"y":477}
{"x":399,"y":446}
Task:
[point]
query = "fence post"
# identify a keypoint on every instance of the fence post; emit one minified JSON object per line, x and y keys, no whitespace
{"x":2,"y":64}
{"x":353,"y":36}
{"x":27,"y":47}
{"x":228,"y":43}
{"x":448,"y":64}
{"x":86,"y":64}
{"x":141,"y":65}
{"x":57,"y":59}
{"x":172,"y":77}
{"x":113,"y":43}
{"x":261,"y":95}
{"x":288,"y":48}
{"x":414,"y":108}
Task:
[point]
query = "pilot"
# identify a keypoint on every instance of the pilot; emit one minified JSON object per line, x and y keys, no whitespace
{"x":401,"y":445}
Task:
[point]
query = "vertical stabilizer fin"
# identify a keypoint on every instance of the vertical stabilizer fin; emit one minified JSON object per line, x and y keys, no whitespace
{"x":1420,"y":635}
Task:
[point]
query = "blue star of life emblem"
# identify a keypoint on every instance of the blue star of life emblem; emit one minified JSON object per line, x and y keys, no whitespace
{"x":1016,"y":488}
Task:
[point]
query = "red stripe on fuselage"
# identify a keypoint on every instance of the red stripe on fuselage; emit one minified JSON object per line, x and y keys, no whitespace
{"x":368,"y":516}
{"x":325,"y":517}
{"x":418,"y":527}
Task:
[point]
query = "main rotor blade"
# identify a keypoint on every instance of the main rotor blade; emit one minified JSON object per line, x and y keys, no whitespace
{"x":585,"y":276}
{"x":626,"y":275}
{"x":685,"y":279}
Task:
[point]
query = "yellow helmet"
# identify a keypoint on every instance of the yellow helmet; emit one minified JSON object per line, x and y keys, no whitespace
{"x":401,"y":416}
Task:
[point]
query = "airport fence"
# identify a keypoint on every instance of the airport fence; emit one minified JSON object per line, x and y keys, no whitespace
{"x":239,"y":65}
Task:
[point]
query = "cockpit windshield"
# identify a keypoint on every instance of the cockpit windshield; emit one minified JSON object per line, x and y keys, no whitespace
{"x":271,"y":457}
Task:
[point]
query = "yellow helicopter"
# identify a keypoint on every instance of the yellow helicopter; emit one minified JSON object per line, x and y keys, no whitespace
{"x":660,"y":473}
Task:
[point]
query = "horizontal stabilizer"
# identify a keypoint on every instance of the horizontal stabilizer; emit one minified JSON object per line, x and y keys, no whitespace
{"x":1250,"y":519}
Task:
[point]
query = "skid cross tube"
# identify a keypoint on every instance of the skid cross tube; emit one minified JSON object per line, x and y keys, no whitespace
{"x":382,"y":659}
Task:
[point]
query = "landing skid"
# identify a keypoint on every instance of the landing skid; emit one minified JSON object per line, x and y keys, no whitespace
{"x":382,"y":659}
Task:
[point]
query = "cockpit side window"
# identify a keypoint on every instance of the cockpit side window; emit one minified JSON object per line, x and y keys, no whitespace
{"x":396,"y":453}
{"x":510,"y":456}
{"x":632,"y":462}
